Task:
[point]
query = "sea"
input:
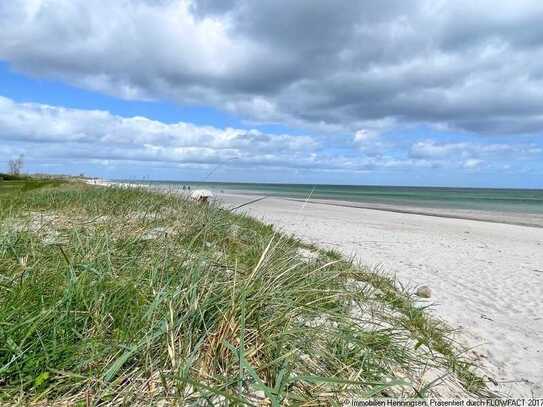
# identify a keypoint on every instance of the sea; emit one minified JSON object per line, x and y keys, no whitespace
{"x":520,"y":201}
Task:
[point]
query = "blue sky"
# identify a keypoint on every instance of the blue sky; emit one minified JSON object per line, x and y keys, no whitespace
{"x":305,"y":92}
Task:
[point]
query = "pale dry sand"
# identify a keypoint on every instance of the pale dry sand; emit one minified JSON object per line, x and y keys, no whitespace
{"x":486,"y":278}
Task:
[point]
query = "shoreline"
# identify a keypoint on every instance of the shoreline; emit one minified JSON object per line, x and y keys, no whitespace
{"x":475,"y":215}
{"x":528,"y":219}
{"x":509,"y":218}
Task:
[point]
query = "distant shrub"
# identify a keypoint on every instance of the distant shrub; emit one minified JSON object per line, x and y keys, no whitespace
{"x":9,"y":177}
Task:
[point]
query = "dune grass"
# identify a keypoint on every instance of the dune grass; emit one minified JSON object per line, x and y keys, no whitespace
{"x":123,"y":296}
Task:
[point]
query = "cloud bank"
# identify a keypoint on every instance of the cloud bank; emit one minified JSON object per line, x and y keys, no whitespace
{"x":322,"y":65}
{"x":57,"y":134}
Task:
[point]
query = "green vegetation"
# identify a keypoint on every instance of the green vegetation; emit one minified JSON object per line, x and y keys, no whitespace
{"x":124,"y":296}
{"x":19,"y":183}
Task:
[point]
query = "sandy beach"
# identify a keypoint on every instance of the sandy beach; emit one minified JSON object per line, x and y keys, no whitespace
{"x":486,"y":277}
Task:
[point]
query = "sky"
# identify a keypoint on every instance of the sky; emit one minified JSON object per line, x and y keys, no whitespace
{"x":390,"y":92}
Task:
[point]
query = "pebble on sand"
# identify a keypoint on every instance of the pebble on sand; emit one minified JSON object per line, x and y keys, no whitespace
{"x":424,"y":292}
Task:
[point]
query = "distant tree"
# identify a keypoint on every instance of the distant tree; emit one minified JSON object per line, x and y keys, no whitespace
{"x":16,"y":166}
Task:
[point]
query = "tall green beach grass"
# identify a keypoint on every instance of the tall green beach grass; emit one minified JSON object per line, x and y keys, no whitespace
{"x":123,"y":296}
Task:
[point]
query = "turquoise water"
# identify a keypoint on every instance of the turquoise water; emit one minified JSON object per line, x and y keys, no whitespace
{"x":484,"y":199}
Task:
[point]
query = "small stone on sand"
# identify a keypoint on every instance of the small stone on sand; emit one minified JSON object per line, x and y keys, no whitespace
{"x":424,"y":292}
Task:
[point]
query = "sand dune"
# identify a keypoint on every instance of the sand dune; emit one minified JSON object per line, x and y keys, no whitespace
{"x":486,"y":278}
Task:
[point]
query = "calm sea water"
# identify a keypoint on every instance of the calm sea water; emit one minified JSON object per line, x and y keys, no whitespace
{"x":484,"y":199}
